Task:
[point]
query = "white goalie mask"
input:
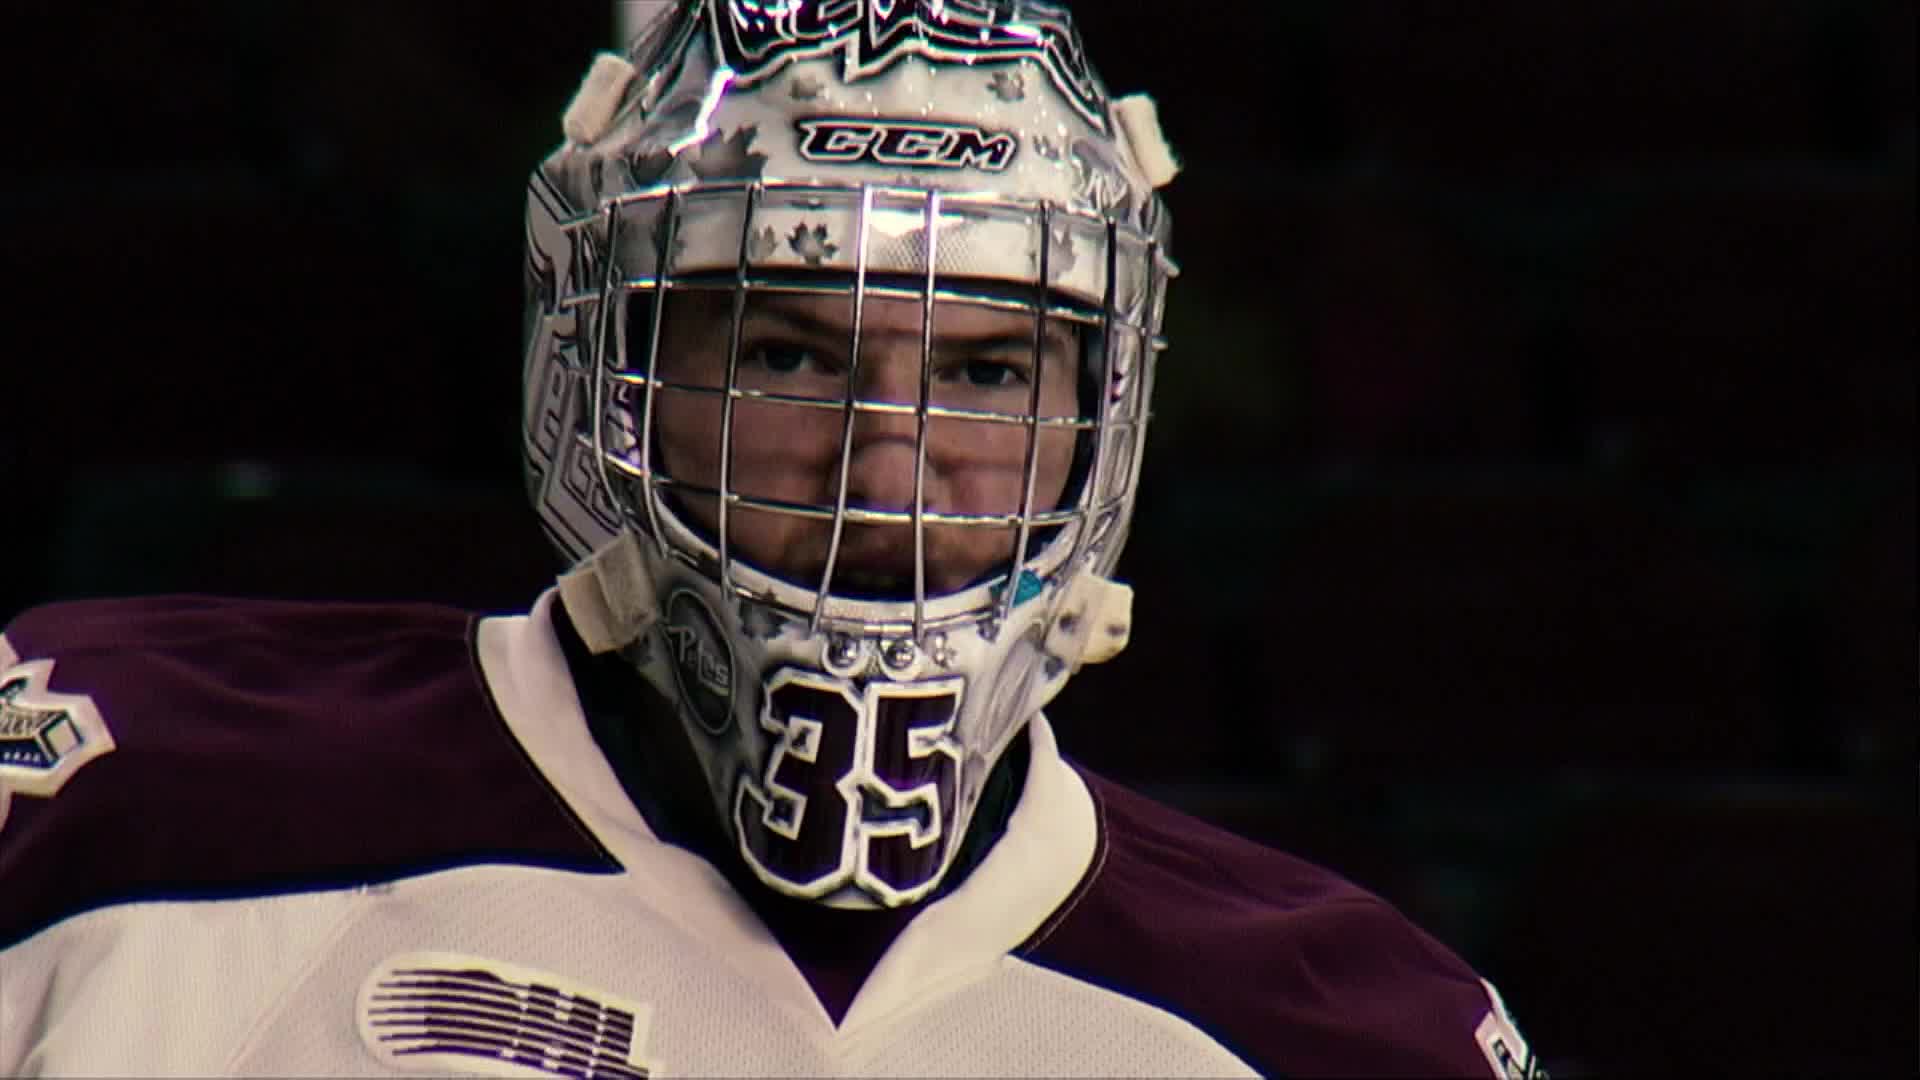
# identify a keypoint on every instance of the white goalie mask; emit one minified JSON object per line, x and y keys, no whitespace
{"x":832,"y":163}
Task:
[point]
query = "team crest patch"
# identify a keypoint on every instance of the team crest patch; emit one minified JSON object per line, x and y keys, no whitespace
{"x":1500,"y":1040}
{"x":45,"y":737}
{"x":469,"y":1015}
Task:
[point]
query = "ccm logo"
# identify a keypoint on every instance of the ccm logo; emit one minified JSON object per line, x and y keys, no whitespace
{"x":913,"y":143}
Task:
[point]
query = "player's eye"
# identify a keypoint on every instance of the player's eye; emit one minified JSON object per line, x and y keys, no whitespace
{"x":786,"y":358}
{"x":991,"y":374}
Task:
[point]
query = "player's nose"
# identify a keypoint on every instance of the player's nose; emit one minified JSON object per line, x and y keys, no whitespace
{"x":881,"y":469}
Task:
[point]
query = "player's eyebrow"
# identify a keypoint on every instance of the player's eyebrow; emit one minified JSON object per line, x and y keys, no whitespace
{"x":800,"y":318}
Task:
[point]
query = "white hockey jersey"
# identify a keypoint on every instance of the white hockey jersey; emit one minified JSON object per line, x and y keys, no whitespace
{"x":245,"y":838}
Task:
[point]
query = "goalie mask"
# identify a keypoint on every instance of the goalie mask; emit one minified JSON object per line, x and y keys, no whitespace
{"x":841,"y":329}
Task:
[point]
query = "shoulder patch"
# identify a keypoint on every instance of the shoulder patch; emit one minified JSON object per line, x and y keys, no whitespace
{"x":262,"y":747}
{"x":1500,"y":1040}
{"x":1305,"y":973}
{"x":45,"y":737}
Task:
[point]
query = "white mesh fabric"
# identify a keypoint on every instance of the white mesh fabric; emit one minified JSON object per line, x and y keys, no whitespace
{"x":706,"y":1016}
{"x":1025,"y":1020}
{"x":156,"y":989}
{"x":268,"y":987}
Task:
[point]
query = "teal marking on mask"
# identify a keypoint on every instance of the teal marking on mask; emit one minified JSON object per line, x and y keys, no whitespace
{"x":1029,"y":588}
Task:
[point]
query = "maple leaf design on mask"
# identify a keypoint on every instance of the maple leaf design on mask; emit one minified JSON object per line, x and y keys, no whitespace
{"x":730,"y":157}
{"x":763,"y":243}
{"x":658,"y":233}
{"x":1101,"y":180}
{"x":1061,"y":255}
{"x":811,"y":244}
{"x":649,"y":165}
{"x":760,"y":620}
{"x":1008,"y":86}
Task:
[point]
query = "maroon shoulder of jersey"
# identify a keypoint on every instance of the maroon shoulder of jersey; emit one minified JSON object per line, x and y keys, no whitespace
{"x":1294,"y":969}
{"x":256,"y":747}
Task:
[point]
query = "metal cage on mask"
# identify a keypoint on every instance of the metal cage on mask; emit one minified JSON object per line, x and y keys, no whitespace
{"x":640,"y":237}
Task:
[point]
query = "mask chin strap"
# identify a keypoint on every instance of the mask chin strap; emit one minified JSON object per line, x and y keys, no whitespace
{"x":591,"y":112}
{"x":1139,"y":120}
{"x":609,"y":595}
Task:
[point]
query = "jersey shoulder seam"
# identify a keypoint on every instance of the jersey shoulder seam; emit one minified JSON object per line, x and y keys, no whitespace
{"x":1084,"y":888}
{"x":269,"y":1008}
{"x":503,"y":731}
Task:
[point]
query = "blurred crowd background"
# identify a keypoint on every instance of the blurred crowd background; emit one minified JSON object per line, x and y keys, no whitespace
{"x":1528,"y":530}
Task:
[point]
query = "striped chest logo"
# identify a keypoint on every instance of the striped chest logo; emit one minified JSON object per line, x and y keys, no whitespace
{"x":469,"y":1015}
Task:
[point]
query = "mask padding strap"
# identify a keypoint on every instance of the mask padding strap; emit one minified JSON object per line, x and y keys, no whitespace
{"x":1094,"y":621}
{"x":594,"y":105}
{"x":609,"y":595}
{"x":1139,"y":122}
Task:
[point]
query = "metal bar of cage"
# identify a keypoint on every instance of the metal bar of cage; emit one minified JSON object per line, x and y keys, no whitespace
{"x":812,"y":283}
{"x":1012,"y":590}
{"x":599,"y":331}
{"x":1143,"y":379}
{"x":727,"y":403}
{"x":882,"y":408}
{"x":854,"y":514}
{"x":669,"y":228}
{"x":932,"y":232}
{"x":846,"y":429}
{"x":816,"y":284}
{"x":1091,"y":505}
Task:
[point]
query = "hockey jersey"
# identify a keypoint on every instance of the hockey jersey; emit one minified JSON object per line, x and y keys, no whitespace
{"x":249,"y":838}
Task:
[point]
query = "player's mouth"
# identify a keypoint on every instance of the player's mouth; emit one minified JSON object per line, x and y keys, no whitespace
{"x":858,"y":583}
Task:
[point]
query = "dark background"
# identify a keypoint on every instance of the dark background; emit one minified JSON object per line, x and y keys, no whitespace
{"x":1529,"y":528}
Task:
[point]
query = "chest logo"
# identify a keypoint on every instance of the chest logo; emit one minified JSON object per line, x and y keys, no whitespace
{"x":449,"y":1012}
{"x":45,"y":737}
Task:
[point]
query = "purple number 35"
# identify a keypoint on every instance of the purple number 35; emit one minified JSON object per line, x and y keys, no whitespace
{"x":858,"y":789}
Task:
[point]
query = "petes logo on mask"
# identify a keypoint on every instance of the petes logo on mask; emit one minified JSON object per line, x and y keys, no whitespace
{"x":757,"y":38}
{"x":702,"y":660}
{"x":45,"y":737}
